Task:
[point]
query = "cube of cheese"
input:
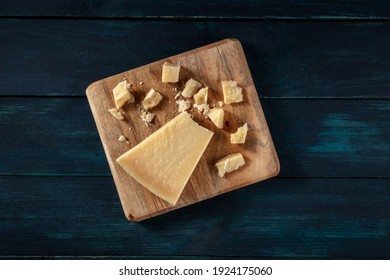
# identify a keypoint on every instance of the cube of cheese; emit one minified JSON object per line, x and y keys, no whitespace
{"x":240,"y":135}
{"x":164,"y":161}
{"x":190,"y":88}
{"x":152,"y":99}
{"x":231,"y":92}
{"x":170,"y":73}
{"x":216,"y":115}
{"x":122,"y":94}
{"x":201,"y":96}
{"x":229,"y":163}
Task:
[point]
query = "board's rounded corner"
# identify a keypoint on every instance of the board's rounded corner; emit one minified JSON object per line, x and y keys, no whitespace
{"x":91,"y":87}
{"x":234,"y":41}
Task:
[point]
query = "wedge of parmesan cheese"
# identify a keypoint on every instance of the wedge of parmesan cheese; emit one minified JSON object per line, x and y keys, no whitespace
{"x":164,"y":161}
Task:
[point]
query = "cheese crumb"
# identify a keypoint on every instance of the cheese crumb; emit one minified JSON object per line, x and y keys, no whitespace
{"x":118,"y":115}
{"x":229,"y":163}
{"x":152,"y":99}
{"x":141,"y":83}
{"x":147,"y":117}
{"x":190,"y":88}
{"x":220,"y":103}
{"x":183,"y":105}
{"x":122,"y":138}
{"x":201,"y":96}
{"x":122,"y":94}
{"x":202,"y":108}
{"x":216,"y":115}
{"x":231,"y":92}
{"x":240,"y":135}
{"x":170,"y":73}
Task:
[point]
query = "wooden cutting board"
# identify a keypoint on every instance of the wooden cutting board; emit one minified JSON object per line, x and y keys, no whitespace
{"x":223,"y":60}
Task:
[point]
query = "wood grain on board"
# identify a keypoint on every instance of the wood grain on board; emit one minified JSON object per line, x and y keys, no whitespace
{"x":224,"y":60}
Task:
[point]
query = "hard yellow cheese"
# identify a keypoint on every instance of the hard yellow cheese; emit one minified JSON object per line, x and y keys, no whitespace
{"x":240,"y":135}
{"x":190,"y":88}
{"x":170,"y":73}
{"x":229,"y":163}
{"x":231,"y":92}
{"x":216,"y":115}
{"x":122,"y":94}
{"x":151,"y":99}
{"x":165,"y":160}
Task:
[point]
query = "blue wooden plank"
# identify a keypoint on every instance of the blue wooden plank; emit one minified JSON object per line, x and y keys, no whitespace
{"x":278,"y":218}
{"x":287,"y":59}
{"x":314,"y":138}
{"x":236,"y":9}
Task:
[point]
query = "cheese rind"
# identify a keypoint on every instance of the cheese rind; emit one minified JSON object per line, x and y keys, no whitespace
{"x":240,"y":135}
{"x":151,"y":99}
{"x":216,"y":115}
{"x":164,"y":161}
{"x":190,"y":88}
{"x":201,"y":96}
{"x":122,"y":94}
{"x":229,"y":163}
{"x":231,"y":92}
{"x":170,"y":73}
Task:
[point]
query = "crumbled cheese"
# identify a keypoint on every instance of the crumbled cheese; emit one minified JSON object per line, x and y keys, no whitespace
{"x":220,"y":103}
{"x":190,"y":88}
{"x":201,"y":96}
{"x":122,"y":94}
{"x":202,"y":108}
{"x":170,"y":73}
{"x":152,"y":99}
{"x":183,"y":105}
{"x":147,"y":117}
{"x":141,"y":83}
{"x":117,"y":114}
{"x":231,"y":92}
{"x":239,"y":136}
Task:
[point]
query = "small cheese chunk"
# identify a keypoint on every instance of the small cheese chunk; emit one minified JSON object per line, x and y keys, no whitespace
{"x":190,"y":88}
{"x":216,"y":115}
{"x":152,"y":99}
{"x":122,"y":138}
{"x":164,"y":161}
{"x":201,"y":96}
{"x":122,"y":94}
{"x":183,"y":105}
{"x":229,"y":163}
{"x":118,"y":115}
{"x":170,"y":73}
{"x":147,"y":117}
{"x":231,"y":92}
{"x":220,"y":103}
{"x":239,"y":136}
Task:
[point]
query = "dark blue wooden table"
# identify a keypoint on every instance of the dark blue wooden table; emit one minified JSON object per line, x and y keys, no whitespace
{"x":323,"y":75}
